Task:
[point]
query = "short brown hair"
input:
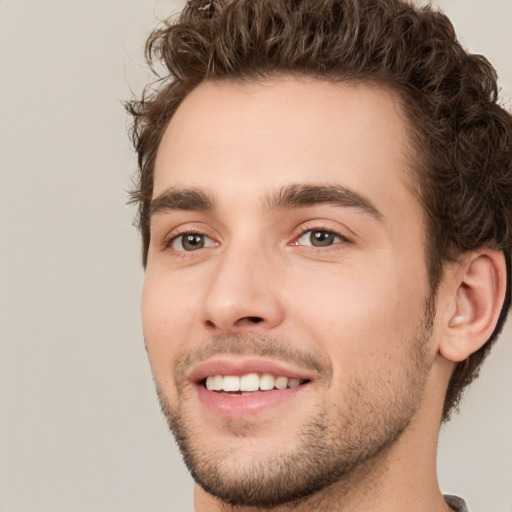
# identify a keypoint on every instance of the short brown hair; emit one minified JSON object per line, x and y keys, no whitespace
{"x":462,"y":138}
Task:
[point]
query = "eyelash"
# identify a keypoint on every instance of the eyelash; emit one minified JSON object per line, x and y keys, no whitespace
{"x":170,"y":240}
{"x":319,"y":229}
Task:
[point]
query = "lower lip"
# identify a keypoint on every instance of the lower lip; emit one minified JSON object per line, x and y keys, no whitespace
{"x":242,"y":406}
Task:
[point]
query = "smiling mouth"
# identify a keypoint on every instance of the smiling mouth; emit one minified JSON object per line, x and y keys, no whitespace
{"x":232,"y":385}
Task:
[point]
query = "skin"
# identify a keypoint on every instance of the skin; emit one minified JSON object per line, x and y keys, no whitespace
{"x":357,"y":306}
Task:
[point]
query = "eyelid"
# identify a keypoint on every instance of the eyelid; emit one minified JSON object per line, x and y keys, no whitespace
{"x":193,"y":228}
{"x":186,"y":229}
{"x":336,"y":239}
{"x":173,"y":240}
{"x":320,"y":226}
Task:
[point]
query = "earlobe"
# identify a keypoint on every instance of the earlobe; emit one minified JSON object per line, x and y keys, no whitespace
{"x":478,"y":287}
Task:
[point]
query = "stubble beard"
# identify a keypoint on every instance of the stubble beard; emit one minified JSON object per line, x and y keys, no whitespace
{"x":338,"y":445}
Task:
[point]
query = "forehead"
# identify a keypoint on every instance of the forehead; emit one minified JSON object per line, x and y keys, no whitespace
{"x":244,"y":138}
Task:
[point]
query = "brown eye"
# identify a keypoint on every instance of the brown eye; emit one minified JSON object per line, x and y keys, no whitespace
{"x":191,"y":242}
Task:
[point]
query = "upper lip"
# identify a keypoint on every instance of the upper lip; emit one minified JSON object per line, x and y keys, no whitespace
{"x":238,"y":366}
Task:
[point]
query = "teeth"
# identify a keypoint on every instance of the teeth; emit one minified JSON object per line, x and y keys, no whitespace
{"x":218,"y":382}
{"x":210,"y":384}
{"x":267,"y":382}
{"x":249,"y":383}
{"x":293,"y":383}
{"x":281,"y":383}
{"x":231,"y":383}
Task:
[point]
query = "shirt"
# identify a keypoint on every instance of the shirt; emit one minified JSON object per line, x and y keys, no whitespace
{"x":456,"y":503}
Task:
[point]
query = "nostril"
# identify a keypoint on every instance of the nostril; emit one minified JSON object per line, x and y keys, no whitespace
{"x":245,"y":320}
{"x":255,"y":319}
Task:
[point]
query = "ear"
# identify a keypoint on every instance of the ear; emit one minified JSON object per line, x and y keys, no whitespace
{"x":477,"y":288}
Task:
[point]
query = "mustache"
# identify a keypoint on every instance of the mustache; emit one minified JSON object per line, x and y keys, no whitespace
{"x":253,"y":345}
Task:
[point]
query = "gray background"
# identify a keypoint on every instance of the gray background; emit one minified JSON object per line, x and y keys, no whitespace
{"x":80,"y":429}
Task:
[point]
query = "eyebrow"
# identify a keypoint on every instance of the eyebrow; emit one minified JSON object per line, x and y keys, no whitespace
{"x":302,"y":195}
{"x":288,"y":197}
{"x":184,"y":199}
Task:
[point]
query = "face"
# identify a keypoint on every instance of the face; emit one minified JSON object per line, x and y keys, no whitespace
{"x":285,"y":302}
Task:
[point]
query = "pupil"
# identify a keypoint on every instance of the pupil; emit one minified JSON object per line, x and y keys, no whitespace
{"x":193,"y":241}
{"x":321,"y":238}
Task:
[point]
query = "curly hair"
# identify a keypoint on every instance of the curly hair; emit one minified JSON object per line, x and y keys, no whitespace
{"x":462,"y":138}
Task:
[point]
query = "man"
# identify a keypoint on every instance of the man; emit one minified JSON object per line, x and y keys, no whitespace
{"x":325,"y":199}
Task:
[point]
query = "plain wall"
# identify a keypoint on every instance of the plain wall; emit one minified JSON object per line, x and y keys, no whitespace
{"x":80,"y":427}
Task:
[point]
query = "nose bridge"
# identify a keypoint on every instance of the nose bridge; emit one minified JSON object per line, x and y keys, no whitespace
{"x":242,"y":292}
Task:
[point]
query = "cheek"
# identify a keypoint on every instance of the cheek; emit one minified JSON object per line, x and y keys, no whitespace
{"x":166,"y":317}
{"x":360,"y":316}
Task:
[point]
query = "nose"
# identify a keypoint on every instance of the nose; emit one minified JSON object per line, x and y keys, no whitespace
{"x":243,"y":294}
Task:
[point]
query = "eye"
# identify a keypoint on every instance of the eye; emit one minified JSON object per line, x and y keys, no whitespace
{"x":319,"y":238}
{"x":191,"y":242}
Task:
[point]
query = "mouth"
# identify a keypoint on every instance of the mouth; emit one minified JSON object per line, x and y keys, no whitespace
{"x":239,"y":388}
{"x":245,"y":385}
